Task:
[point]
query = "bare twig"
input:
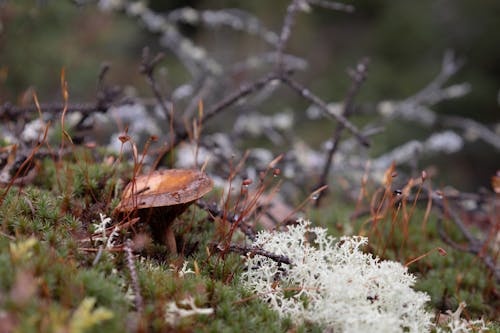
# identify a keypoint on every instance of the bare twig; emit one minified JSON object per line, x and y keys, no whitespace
{"x":457,"y":221}
{"x":252,"y":250}
{"x":416,"y":107}
{"x":289,"y":62}
{"x":236,"y":19}
{"x":106,"y":97}
{"x":307,"y":94}
{"x":474,"y":128}
{"x":180,"y":133}
{"x":102,"y":74}
{"x":474,"y":245}
{"x":333,"y":5}
{"x":11,"y":112}
{"x":171,"y":36}
{"x":450,"y":66}
{"x":133,"y":275}
{"x":358,"y":76}
{"x":235,"y":96}
{"x":147,"y":68}
{"x":286,"y":30}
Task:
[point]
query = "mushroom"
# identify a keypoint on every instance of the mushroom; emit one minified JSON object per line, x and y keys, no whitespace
{"x":160,"y":196}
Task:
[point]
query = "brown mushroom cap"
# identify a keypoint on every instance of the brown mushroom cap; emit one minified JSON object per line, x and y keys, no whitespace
{"x":165,"y":188}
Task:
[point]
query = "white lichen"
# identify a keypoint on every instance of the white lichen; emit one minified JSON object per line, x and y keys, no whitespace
{"x":183,"y":271}
{"x":455,"y":324}
{"x":186,"y":308}
{"x":334,"y":284}
{"x":100,"y":236}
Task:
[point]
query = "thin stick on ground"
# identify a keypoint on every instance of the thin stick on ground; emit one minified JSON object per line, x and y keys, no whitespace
{"x":252,"y":250}
{"x":133,"y":276}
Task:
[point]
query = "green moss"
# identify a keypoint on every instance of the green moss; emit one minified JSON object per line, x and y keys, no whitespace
{"x":59,"y":211}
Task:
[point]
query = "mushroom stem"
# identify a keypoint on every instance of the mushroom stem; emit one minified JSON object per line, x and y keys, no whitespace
{"x":170,"y":240}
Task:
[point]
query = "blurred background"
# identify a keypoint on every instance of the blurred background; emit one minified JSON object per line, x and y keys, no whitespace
{"x":405,"y":41}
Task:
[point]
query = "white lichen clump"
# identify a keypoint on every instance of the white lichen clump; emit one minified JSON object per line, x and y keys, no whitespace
{"x":100,"y":235}
{"x":334,"y":284}
{"x":188,"y":308}
{"x":455,"y":324}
